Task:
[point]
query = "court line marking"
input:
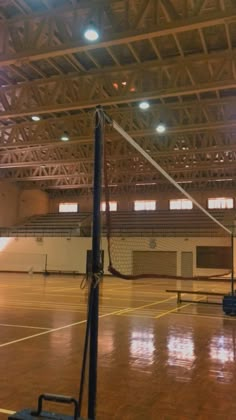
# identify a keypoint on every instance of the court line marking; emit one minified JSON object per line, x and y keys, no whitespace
{"x":79,"y":307}
{"x":137,"y":292}
{"x":50,"y":309}
{"x":2,"y":410}
{"x":139,"y":316}
{"x":54,"y":330}
{"x":124,"y":311}
{"x":172,"y":310}
{"x":145,"y":306}
{"x":178,"y":307}
{"x":48,"y":302}
{"x":43,"y":309}
{"x":208,"y":316}
{"x":24,"y":326}
{"x":60,"y":289}
{"x":110,"y":297}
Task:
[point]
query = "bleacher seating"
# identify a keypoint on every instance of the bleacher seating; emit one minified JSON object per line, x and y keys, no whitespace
{"x":169,"y":223}
{"x":53,"y":224}
{"x":126,"y":223}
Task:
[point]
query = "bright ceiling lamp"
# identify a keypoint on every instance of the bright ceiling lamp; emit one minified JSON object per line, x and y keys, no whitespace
{"x":65,"y":136}
{"x":91,"y":32}
{"x":35,"y":118}
{"x":144,"y":105}
{"x":161,"y":128}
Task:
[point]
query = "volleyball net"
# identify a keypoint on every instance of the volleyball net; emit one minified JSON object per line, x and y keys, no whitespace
{"x":185,"y":241}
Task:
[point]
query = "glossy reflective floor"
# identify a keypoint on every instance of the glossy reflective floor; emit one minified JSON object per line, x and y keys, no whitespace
{"x":156,"y":360}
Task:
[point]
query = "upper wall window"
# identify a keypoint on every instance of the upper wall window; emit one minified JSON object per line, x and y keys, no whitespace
{"x":112,"y":206}
{"x":180,"y":204}
{"x":144,"y":205}
{"x":220,"y":203}
{"x":68,"y":208}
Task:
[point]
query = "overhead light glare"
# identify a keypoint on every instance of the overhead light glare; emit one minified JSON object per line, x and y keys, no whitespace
{"x":65,"y":136}
{"x":146,"y":183}
{"x":91,"y":33}
{"x":35,"y":118}
{"x":184,"y":182}
{"x":144,"y":105}
{"x":161,"y":128}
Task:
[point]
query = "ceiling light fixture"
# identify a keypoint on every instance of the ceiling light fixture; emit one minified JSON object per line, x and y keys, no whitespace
{"x":161,"y":128}
{"x":91,"y":33}
{"x":144,"y":105}
{"x":65,"y":136}
{"x":35,"y":118}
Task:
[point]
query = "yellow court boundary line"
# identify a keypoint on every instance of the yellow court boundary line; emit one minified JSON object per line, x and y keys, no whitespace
{"x":145,"y":306}
{"x":146,"y":299}
{"x":209,"y":316}
{"x":3,"y":411}
{"x":53,"y":330}
{"x":34,"y":308}
{"x":172,"y":310}
{"x":24,"y":326}
{"x":43,"y":309}
{"x":138,"y":292}
{"x":139,"y":316}
{"x":47,"y":302}
{"x":176,"y":309}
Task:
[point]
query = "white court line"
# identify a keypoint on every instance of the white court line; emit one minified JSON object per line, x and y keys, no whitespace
{"x":207,"y":316}
{"x":42,"y":309}
{"x":24,"y":326}
{"x":6,"y":411}
{"x":124,"y":311}
{"x":53,"y":330}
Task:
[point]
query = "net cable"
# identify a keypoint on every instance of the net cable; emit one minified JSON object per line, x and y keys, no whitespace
{"x":112,"y":268}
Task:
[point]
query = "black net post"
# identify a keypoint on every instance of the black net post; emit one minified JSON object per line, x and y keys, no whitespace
{"x":96,"y":263}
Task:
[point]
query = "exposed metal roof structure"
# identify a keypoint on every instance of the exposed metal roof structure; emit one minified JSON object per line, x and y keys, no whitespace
{"x":178,"y":54}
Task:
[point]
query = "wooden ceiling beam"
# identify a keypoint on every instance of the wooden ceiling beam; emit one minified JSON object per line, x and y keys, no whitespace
{"x":34,"y":52}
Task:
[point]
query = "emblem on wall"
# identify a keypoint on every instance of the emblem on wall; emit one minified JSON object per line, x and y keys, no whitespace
{"x":152,"y":243}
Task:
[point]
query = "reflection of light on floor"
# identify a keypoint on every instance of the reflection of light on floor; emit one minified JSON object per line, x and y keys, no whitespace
{"x":142,"y":348}
{"x":222,"y":353}
{"x":4,"y":242}
{"x":222,"y":349}
{"x":106,"y":342}
{"x":60,"y":344}
{"x":181,"y":355}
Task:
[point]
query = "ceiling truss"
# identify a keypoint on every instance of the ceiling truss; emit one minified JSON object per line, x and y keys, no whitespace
{"x":179,"y":55}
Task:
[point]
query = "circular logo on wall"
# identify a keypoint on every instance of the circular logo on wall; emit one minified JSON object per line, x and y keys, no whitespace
{"x":152,"y":243}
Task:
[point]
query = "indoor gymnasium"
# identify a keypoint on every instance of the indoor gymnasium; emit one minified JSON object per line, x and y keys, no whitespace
{"x":117,"y":214}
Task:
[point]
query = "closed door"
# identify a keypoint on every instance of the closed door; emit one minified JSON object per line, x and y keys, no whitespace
{"x":155,"y":262}
{"x":187,"y":264}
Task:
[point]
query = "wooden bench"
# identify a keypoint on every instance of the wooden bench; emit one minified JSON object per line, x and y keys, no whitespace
{"x":195,"y":292}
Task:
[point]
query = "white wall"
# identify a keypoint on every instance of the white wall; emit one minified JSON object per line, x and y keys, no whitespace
{"x":70,"y":254}
{"x":9,"y":196}
{"x":62,"y":253}
{"x":32,"y":202}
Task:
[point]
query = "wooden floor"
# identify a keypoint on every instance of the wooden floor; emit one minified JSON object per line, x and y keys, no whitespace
{"x":156,"y":360}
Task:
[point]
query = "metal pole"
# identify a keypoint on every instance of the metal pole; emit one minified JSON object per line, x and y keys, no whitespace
{"x":96,"y":264}
{"x":232,"y":263}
